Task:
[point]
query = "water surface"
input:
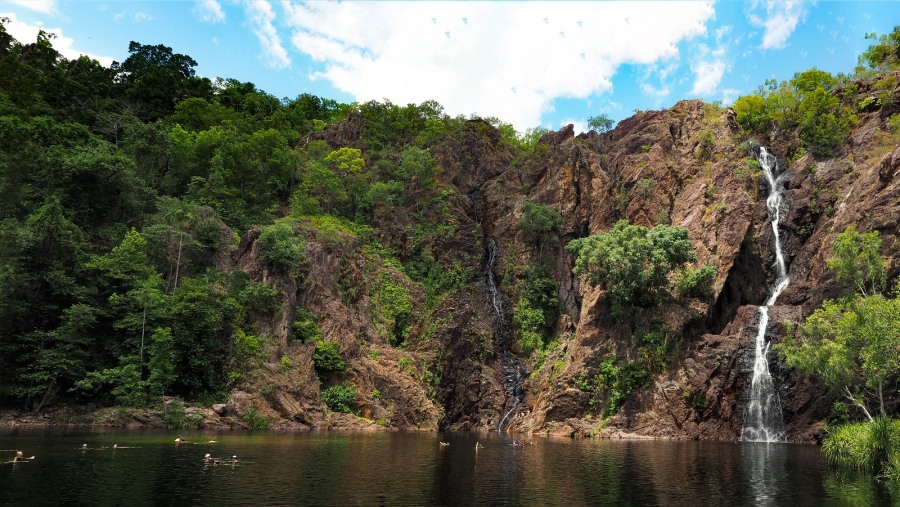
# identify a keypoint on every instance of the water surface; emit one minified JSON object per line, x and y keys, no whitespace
{"x":331,"y":468}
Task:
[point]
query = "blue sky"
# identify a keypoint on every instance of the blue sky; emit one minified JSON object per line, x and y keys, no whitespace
{"x":527,"y":63}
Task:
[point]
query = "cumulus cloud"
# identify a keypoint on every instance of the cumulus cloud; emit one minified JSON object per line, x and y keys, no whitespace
{"x":27,"y":34}
{"x":708,"y":76}
{"x":210,"y":11}
{"x":779,"y":21}
{"x":495,"y":59}
{"x":42,"y":6}
{"x":261,"y":16}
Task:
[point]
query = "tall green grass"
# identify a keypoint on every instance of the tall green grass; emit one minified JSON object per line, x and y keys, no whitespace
{"x":872,"y":446}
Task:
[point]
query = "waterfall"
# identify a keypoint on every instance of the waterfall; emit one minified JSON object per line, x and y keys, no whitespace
{"x":763,"y":420}
{"x":513,"y":372}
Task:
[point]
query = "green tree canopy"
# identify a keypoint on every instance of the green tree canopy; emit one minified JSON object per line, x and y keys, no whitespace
{"x":853,"y":344}
{"x":600,"y":123}
{"x":540,"y":223}
{"x":857,"y":262}
{"x":631,"y":262}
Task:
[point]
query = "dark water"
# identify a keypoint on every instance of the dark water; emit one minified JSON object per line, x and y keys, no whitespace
{"x":412,"y":469}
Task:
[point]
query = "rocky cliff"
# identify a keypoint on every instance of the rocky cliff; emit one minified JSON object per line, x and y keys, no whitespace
{"x":681,"y":166}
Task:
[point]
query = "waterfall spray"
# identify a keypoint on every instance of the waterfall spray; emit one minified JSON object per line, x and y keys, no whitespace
{"x":763,"y":420}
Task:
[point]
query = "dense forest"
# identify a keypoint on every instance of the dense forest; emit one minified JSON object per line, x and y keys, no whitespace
{"x":166,"y":236}
{"x":126,"y":187}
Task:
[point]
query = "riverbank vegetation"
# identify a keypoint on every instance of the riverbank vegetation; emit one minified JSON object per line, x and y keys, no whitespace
{"x":853,"y":345}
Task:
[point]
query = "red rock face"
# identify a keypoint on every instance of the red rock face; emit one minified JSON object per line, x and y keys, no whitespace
{"x":679,"y":166}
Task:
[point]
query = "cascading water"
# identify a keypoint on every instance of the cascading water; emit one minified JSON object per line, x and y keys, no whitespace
{"x":763,"y":420}
{"x":513,"y":372}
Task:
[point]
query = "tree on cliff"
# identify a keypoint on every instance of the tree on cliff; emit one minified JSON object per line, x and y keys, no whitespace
{"x":632,"y":263}
{"x":852,"y":343}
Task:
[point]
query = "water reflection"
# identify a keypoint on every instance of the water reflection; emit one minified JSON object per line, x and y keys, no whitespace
{"x":412,"y":469}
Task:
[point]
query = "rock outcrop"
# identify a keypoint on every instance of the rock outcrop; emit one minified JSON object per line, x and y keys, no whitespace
{"x":681,"y":166}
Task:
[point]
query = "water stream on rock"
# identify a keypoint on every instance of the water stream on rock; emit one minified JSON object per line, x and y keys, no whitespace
{"x":513,"y":371}
{"x":763,"y":420}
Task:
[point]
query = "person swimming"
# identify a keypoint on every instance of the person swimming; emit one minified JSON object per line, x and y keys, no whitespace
{"x":20,"y":457}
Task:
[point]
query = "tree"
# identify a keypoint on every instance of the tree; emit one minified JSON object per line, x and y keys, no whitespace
{"x":885,"y":53}
{"x":852,"y":343}
{"x":157,"y":79}
{"x":540,"y":224}
{"x":631,"y":262}
{"x":857,"y":262}
{"x":600,"y":123}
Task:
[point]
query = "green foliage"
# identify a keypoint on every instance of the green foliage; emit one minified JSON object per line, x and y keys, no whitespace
{"x":857,"y":262}
{"x":706,"y":143}
{"x":805,"y":103}
{"x":600,"y":123}
{"x":340,"y":397}
{"x":245,"y":356}
{"x":852,"y":343}
{"x":437,"y":278}
{"x":893,"y":124}
{"x":256,"y":420}
{"x":696,"y":283}
{"x":261,"y":298}
{"x":393,"y":307}
{"x":327,"y":358}
{"x":162,"y":361}
{"x":613,"y":380}
{"x":537,"y":310}
{"x":282,"y":248}
{"x":644,"y":187}
{"x":405,"y":363}
{"x":306,"y":327}
{"x":632,"y":263}
{"x":540,"y":223}
{"x":823,"y":122}
{"x":871,"y":446}
{"x":696,"y":400}
{"x":884,"y":54}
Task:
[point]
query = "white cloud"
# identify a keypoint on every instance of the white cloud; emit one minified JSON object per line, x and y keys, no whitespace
{"x":658,"y":93}
{"x":780,"y":21}
{"x":210,"y":11}
{"x":137,"y":17}
{"x":506,"y":59}
{"x":708,"y":75}
{"x":261,"y":16}
{"x":42,"y":6}
{"x":729,"y":95}
{"x":27,"y":34}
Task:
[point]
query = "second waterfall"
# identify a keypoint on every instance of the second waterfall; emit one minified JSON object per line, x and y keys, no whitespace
{"x":763,"y":420}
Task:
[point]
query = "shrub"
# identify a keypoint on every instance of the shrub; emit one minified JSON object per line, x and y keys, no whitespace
{"x":615,"y":379}
{"x":540,"y":223}
{"x":893,"y":123}
{"x":340,"y":397}
{"x":393,"y":307}
{"x":255,"y":420}
{"x":696,"y":282}
{"x":537,"y":310}
{"x":305,"y":327}
{"x":260,"y":298}
{"x":281,"y":248}
{"x":327,"y":359}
